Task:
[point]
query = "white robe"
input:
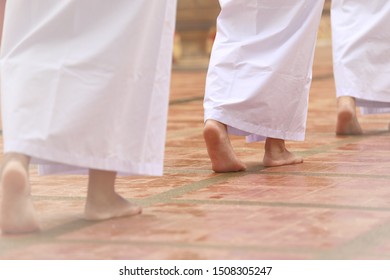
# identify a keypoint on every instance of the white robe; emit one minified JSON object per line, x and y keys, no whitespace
{"x":260,"y":69}
{"x":85,"y":83}
{"x":361,"y":52}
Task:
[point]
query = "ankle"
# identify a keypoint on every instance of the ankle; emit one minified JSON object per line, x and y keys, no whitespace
{"x":275,"y":145}
{"x":346,"y":101}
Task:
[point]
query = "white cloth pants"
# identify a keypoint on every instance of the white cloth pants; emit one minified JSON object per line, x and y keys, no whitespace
{"x":361,"y":52}
{"x":260,"y":69}
{"x":85,"y":83}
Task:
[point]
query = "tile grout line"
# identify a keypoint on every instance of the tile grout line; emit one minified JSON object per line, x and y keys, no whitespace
{"x":281,"y":204}
{"x":169,"y":196}
{"x":189,"y":244}
{"x":361,"y":243}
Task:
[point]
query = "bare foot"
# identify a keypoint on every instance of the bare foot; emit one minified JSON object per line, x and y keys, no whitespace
{"x":276,"y":154}
{"x":219,"y":148}
{"x":102,"y":200}
{"x":107,"y":208}
{"x":17,"y":211}
{"x":347,"y":122}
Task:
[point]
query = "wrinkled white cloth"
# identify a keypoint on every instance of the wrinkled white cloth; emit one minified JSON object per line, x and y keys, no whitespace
{"x":361,"y":52}
{"x":85,"y":83}
{"x":260,"y":69}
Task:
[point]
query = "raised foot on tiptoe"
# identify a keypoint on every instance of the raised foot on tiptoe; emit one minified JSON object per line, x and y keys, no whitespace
{"x":17,"y":211}
{"x":219,"y":148}
{"x":347,"y":122}
{"x":107,"y":208}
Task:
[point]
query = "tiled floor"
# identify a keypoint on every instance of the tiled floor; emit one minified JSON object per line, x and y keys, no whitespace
{"x":336,"y":205}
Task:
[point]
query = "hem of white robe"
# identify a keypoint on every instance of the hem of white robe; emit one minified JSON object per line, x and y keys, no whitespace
{"x":253,"y":133}
{"x":375,"y":105}
{"x":51,"y":161}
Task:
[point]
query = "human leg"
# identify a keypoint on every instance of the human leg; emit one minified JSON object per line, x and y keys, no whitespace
{"x":102,"y":200}
{"x":249,"y":89}
{"x":276,"y":153}
{"x":17,"y":211}
{"x":347,"y":121}
{"x":361,"y":61}
{"x":219,"y":148}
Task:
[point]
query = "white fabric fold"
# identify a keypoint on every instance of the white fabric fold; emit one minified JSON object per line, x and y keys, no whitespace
{"x":85,"y":83}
